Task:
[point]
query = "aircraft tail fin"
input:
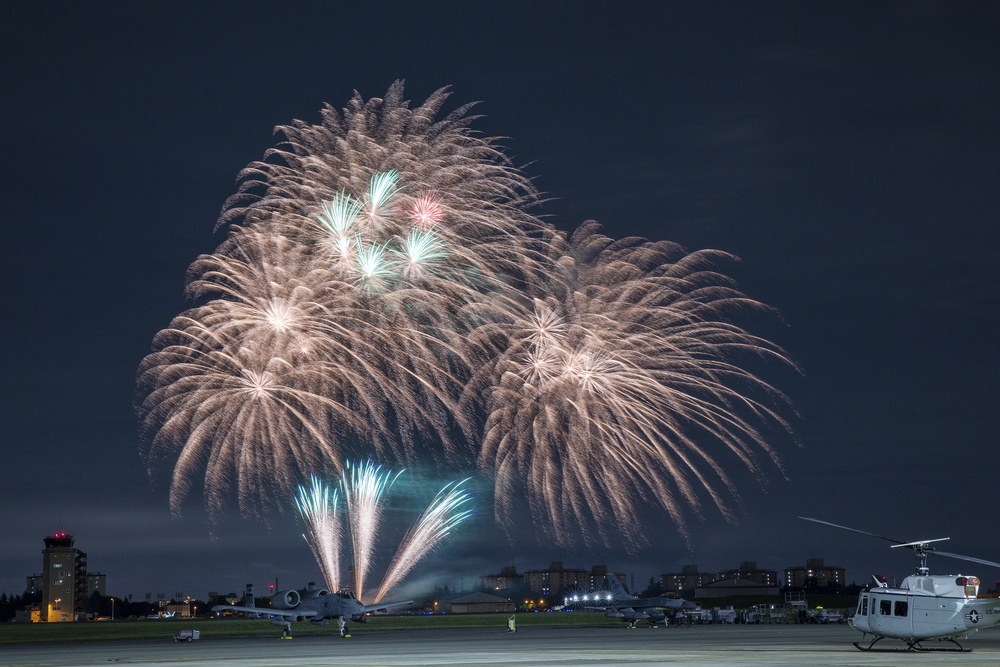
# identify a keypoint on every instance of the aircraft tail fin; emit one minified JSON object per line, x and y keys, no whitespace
{"x":616,"y":588}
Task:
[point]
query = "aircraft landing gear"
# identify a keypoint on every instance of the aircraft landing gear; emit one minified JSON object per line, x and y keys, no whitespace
{"x":342,"y":624}
{"x":286,"y":632}
{"x":914,"y":646}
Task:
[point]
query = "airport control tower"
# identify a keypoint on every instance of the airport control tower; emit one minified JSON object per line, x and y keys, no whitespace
{"x":64,"y":575}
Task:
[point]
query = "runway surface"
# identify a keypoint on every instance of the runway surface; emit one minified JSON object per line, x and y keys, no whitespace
{"x":710,"y":645}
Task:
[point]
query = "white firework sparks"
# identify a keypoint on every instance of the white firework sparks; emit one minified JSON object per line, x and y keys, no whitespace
{"x":318,"y":507}
{"x":363,"y":486}
{"x":443,"y":515}
{"x":365,"y":490}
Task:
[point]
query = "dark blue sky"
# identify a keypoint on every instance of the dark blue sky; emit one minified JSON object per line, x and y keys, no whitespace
{"x":847,"y":152}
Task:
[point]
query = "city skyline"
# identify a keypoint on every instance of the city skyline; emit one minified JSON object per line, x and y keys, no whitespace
{"x":572,"y":575}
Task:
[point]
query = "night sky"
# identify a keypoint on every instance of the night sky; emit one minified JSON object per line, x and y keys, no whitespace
{"x":848,"y":153}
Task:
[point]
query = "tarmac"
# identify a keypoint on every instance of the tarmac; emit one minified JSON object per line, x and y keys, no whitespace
{"x":709,"y":645}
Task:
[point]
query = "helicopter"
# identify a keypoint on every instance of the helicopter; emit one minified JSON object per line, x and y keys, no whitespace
{"x":941,"y":607}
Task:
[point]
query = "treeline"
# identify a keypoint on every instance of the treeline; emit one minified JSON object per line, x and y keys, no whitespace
{"x":10,"y":604}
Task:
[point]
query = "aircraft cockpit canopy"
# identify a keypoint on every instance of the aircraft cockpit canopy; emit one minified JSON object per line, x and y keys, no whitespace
{"x":346,"y":593}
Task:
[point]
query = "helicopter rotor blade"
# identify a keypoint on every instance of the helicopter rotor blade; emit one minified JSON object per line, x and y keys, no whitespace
{"x":921,"y":544}
{"x":909,"y":545}
{"x":855,"y":530}
{"x":971,"y":559}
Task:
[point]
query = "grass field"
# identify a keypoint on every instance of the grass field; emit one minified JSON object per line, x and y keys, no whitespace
{"x":11,"y":633}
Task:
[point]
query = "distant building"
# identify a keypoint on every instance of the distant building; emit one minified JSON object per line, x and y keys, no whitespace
{"x":725,"y":588}
{"x":556,"y":579}
{"x":687,"y":579}
{"x":552,"y":581}
{"x":95,"y":582}
{"x":481,"y":603}
{"x":749,"y":571}
{"x":178,"y":609}
{"x":507,"y":579}
{"x":815,"y":574}
{"x":739,"y":581}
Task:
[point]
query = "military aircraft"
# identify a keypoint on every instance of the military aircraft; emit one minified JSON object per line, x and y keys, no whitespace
{"x":941,"y":607}
{"x":619,"y":604}
{"x":317,"y":606}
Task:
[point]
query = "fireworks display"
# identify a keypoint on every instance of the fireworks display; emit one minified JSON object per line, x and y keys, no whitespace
{"x":382,"y":288}
{"x":363,"y":487}
{"x":442,"y":516}
{"x":318,"y":507}
{"x":605,"y":392}
{"x":367,"y":484}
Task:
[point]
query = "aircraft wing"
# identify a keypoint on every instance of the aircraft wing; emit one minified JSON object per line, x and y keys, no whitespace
{"x":621,"y":599}
{"x":267,"y":611}
{"x":657,"y":603}
{"x":676,"y":603}
{"x":387,"y":605}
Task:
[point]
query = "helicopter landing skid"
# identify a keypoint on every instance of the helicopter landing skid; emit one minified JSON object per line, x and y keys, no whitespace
{"x":913,"y":646}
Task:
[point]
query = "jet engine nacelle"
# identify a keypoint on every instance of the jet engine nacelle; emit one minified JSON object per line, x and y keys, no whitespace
{"x":315,"y":593}
{"x":285,"y":599}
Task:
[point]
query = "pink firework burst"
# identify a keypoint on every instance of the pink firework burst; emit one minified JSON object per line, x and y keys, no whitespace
{"x":426,"y":212}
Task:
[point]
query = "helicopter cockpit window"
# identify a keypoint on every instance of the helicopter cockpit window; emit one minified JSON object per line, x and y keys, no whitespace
{"x":885,"y":607}
{"x":902,"y":608}
{"x":863,"y":606}
{"x":970,"y":585}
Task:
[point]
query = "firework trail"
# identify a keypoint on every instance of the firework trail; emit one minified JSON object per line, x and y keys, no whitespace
{"x":618,"y":390}
{"x":363,"y":487}
{"x":443,"y":515}
{"x":318,"y":507}
{"x":367,"y":485}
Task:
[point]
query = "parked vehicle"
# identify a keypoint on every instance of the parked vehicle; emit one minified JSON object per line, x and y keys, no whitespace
{"x":187,"y":636}
{"x":825,"y":616}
